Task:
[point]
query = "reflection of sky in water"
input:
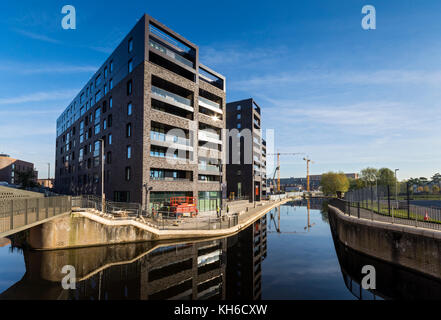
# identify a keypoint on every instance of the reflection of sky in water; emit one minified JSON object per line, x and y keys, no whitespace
{"x":12,"y":267}
{"x":301,"y":265}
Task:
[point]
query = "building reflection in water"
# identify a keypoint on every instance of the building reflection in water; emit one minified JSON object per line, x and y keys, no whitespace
{"x":227,"y":268}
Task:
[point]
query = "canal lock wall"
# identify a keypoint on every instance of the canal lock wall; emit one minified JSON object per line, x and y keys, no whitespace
{"x":415,"y":248}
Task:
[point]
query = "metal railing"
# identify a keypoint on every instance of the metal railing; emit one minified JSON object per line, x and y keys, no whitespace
{"x":161,"y":219}
{"x":384,"y":210}
{"x":17,"y":214}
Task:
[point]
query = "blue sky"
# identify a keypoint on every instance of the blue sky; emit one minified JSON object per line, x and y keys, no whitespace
{"x":347,"y":97}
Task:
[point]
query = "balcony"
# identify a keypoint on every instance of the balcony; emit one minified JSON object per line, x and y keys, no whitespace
{"x":209,"y":137}
{"x":165,"y":140}
{"x":171,"y":98}
{"x":209,"y":168}
{"x":170,"y":53}
{"x":211,"y":105}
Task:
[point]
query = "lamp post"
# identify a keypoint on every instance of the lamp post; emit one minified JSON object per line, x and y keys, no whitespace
{"x":147,"y":201}
{"x":103,"y":196}
{"x":396,"y":187}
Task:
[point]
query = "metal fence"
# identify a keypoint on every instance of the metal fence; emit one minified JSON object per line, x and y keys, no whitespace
{"x":18,"y":213}
{"x":381,"y":204}
{"x":163,"y":219}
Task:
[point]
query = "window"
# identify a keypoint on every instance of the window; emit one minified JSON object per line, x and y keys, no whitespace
{"x":105,"y":72}
{"x":129,"y":152}
{"x":130,"y":65}
{"x":111,"y":66}
{"x":109,"y":138}
{"x":129,"y":87}
{"x":131,"y":45}
{"x":128,"y":173}
{"x":97,"y":81}
{"x":105,"y":89}
{"x":111,"y":84}
{"x":238,"y":116}
{"x":109,"y":121}
{"x":104,"y":124}
{"x":110,"y":103}
{"x":129,"y":130}
{"x":129,"y":109}
{"x":239,"y":107}
{"x":109,"y":157}
{"x":239,"y":126}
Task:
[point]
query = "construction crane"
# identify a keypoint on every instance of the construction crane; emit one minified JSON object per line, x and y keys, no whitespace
{"x":308,"y":161}
{"x":277,"y":212}
{"x":278,"y":165}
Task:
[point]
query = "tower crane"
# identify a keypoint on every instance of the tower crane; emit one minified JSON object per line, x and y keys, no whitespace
{"x":278,"y":165}
{"x":308,"y":161}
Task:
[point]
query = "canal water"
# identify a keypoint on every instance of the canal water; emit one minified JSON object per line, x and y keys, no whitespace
{"x":289,"y":254}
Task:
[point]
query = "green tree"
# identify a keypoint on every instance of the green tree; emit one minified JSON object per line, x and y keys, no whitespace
{"x":26,"y":179}
{"x":436,"y":179}
{"x":386,"y":177}
{"x":355,"y":184}
{"x":369,"y":176}
{"x":435,"y":189}
{"x":332,"y":182}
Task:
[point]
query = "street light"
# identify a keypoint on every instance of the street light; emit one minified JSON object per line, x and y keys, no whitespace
{"x":147,"y":201}
{"x":396,"y":187}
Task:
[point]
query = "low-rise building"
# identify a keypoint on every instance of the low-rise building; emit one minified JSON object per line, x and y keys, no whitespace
{"x":10,"y":168}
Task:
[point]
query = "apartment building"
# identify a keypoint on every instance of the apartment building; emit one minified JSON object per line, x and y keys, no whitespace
{"x":194,"y":271}
{"x":157,"y":112}
{"x":246,"y":252}
{"x":10,"y":168}
{"x":246,"y":173}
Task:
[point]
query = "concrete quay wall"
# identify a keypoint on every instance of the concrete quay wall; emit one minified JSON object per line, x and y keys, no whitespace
{"x":414,"y":248}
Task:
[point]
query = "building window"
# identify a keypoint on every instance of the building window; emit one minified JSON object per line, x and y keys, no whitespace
{"x":129,"y":130}
{"x":238,"y":116}
{"x":239,"y":126}
{"x":131,"y":45}
{"x":130,"y":65}
{"x":109,"y":157}
{"x":129,"y":87}
{"x":110,"y":103}
{"x":111,"y":84}
{"x":111,"y":66}
{"x":128,"y":173}
{"x":129,"y":152}
{"x":109,"y":138}
{"x":104,"y":124}
{"x":109,"y":121}
{"x":129,"y":109}
{"x":105,"y":72}
{"x":239,"y":107}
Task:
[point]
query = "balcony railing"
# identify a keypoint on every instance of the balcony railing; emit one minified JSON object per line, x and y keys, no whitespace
{"x":172,"y":98}
{"x":210,"y":137}
{"x":213,"y":106}
{"x":170,"y":53}
{"x":209,"y":168}
{"x":169,"y":179}
{"x":156,"y":136}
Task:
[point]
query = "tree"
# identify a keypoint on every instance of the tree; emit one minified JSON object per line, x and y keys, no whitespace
{"x":436,"y":179}
{"x":369,"y":176}
{"x":423,"y":181}
{"x":355,"y":184}
{"x":435,"y":189}
{"x":386,"y":177}
{"x":26,"y":179}
{"x":332,"y":182}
